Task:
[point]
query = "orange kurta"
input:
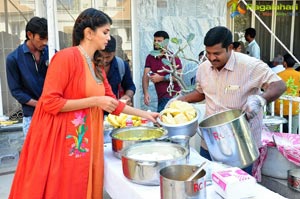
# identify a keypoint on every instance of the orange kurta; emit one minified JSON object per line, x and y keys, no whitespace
{"x":62,"y":156}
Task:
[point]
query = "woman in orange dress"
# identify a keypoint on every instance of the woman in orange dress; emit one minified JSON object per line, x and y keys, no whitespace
{"x":62,"y":157}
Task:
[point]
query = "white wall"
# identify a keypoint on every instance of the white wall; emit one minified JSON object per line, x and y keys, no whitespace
{"x":178,"y":18}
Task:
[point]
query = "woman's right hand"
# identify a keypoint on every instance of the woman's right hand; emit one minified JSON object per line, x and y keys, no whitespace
{"x":107,"y":103}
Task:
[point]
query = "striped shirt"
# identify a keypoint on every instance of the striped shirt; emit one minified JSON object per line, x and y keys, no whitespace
{"x":230,"y":87}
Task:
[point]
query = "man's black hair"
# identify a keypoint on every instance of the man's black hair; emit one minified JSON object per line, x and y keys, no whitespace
{"x":161,"y":33}
{"x":111,"y":45}
{"x":236,"y":44}
{"x":37,"y":25}
{"x":251,"y":32}
{"x":290,"y":62}
{"x":218,"y":34}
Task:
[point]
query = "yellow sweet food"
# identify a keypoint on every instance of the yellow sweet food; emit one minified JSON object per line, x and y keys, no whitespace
{"x":178,"y":112}
{"x":120,"y":121}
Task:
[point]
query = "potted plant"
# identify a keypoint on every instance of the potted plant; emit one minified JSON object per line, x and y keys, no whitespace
{"x":169,"y":60}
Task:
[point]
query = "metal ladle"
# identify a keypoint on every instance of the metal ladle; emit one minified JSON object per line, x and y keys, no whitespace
{"x":194,"y":174}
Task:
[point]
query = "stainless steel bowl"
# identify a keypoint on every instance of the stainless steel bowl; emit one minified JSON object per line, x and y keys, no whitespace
{"x":142,"y":162}
{"x":190,"y":128}
{"x":278,"y":170}
{"x":124,"y":137}
{"x":274,"y":122}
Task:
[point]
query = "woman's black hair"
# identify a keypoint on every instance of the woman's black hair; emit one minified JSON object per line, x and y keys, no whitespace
{"x":89,"y":18}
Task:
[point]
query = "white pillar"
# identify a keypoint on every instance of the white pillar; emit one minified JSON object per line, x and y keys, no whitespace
{"x":53,"y":40}
{"x":40,"y":8}
{"x":1,"y":104}
{"x":135,"y":55}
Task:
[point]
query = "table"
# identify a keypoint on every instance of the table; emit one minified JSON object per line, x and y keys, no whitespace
{"x":119,"y":187}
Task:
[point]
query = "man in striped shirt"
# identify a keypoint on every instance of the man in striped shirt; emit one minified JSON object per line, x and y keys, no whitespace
{"x":230,"y":80}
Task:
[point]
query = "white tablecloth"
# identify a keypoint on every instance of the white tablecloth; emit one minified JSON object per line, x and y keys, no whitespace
{"x":118,"y":187}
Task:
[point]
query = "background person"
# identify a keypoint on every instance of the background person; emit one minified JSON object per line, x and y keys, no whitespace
{"x":26,"y":68}
{"x":231,"y":80}
{"x":201,"y":56}
{"x":277,"y":64}
{"x":291,"y":77}
{"x":117,"y":72}
{"x":237,"y":46}
{"x":119,"y":49}
{"x":253,"y":48}
{"x":62,"y":156}
{"x":161,"y":80}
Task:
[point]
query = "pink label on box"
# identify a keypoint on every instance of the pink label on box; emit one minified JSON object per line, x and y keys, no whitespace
{"x":217,"y":180}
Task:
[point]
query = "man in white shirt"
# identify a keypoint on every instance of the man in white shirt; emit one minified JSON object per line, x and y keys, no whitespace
{"x":277,"y":64}
{"x":231,"y":80}
{"x":253,"y":48}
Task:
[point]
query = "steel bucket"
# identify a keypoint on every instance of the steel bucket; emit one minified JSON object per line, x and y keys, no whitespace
{"x":173,"y":184}
{"x":142,"y":162}
{"x":228,"y":138}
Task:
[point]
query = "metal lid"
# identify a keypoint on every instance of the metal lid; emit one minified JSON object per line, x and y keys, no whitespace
{"x":274,"y":120}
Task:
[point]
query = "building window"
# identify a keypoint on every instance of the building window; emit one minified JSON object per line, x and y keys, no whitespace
{"x":281,"y":18}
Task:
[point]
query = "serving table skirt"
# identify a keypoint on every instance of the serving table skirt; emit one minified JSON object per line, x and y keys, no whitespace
{"x":119,"y":187}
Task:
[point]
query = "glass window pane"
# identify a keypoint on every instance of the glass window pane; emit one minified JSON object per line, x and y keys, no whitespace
{"x":14,"y":16}
{"x":283,"y":26}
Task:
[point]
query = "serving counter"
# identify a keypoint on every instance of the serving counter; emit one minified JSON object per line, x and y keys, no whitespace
{"x":119,"y":187}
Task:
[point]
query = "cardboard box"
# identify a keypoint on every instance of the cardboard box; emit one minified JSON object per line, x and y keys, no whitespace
{"x":234,"y":183}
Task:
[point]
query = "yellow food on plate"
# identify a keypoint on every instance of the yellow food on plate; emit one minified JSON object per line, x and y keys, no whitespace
{"x":178,"y":112}
{"x":120,"y":121}
{"x":112,"y":120}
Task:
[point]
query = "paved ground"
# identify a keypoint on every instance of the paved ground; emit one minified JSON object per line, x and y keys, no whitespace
{"x":11,"y":140}
{"x":5,"y":183}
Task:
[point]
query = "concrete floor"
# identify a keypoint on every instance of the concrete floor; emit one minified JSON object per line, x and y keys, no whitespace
{"x":11,"y":139}
{"x":6,"y":181}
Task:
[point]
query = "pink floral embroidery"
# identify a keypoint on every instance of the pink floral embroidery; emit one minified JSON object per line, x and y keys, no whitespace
{"x":79,"y":119}
{"x":79,"y":147}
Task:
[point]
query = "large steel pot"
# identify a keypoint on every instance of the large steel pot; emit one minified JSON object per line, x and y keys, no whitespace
{"x":124,"y":137}
{"x":173,"y":183}
{"x":142,"y":162}
{"x":278,"y":170}
{"x":189,"y":128}
{"x":229,"y":139}
{"x":294,"y":179}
